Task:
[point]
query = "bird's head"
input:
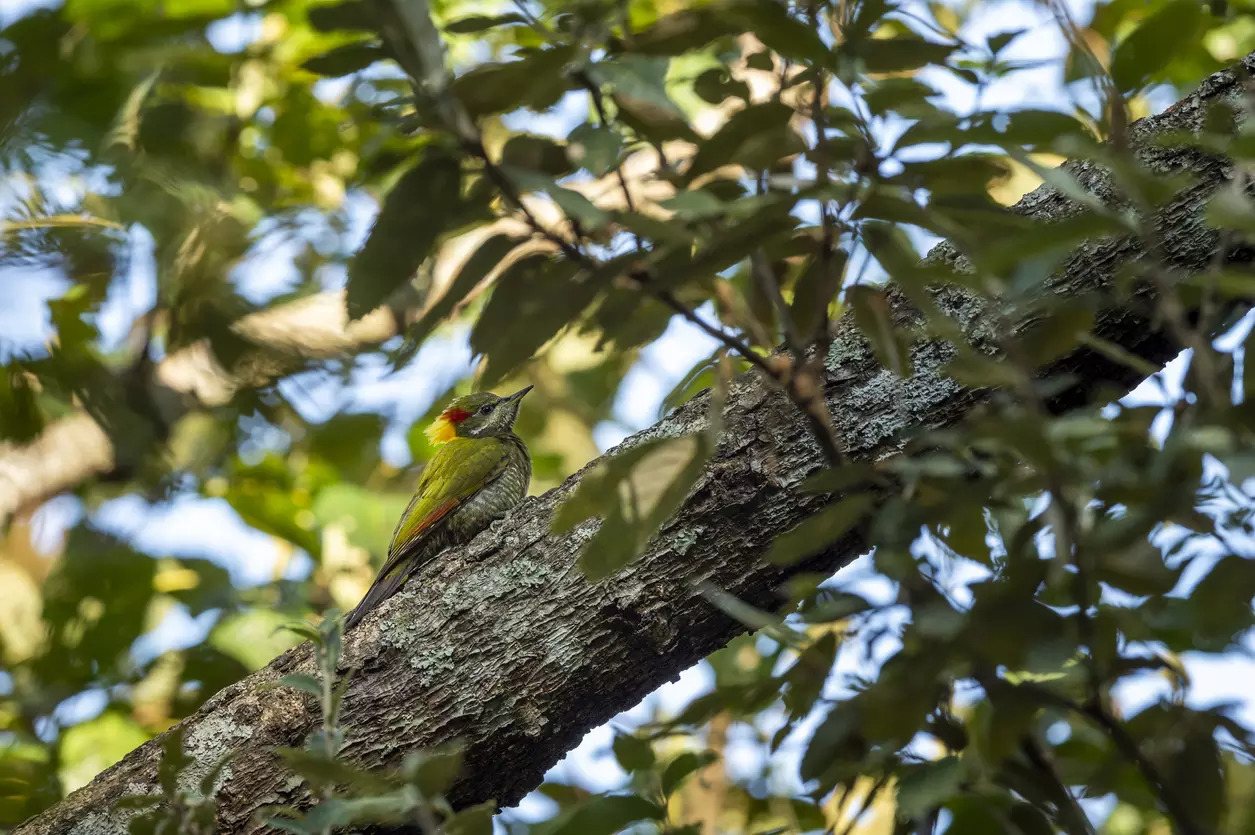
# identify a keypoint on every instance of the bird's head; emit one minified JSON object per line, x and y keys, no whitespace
{"x":480,"y":415}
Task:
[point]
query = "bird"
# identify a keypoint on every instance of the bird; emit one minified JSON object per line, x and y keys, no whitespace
{"x":480,"y":471}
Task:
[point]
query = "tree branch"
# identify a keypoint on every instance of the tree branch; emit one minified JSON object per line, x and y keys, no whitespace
{"x":504,"y":645}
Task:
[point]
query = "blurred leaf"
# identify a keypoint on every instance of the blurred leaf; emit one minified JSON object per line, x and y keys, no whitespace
{"x":875,"y":320}
{"x":634,"y":493}
{"x":929,"y":785}
{"x":473,"y":24}
{"x":1154,"y":43}
{"x":602,"y":815}
{"x":816,"y":533}
{"x":410,"y":222}
{"x":346,"y":59}
{"x":594,"y":148}
{"x":683,"y":767}
{"x":633,"y":753}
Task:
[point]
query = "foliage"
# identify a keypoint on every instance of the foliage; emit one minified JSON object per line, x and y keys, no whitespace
{"x":752,"y":168}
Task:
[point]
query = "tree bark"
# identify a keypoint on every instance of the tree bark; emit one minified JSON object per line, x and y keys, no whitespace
{"x":504,"y":645}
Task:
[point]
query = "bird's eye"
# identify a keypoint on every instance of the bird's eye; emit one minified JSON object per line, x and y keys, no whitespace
{"x":485,"y":409}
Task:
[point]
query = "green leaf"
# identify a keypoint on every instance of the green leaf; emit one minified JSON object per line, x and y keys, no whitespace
{"x":481,"y":263}
{"x":481,"y":23}
{"x":1156,"y":41}
{"x":638,"y":78}
{"x":575,"y":205}
{"x":319,"y":770}
{"x":475,"y":820}
{"x":354,"y":14}
{"x":537,"y":81}
{"x":928,"y":786}
{"x":634,"y":492}
{"x":633,"y":753}
{"x":816,"y":533}
{"x":346,"y":59}
{"x":715,"y":86}
{"x":410,"y":222}
{"x":535,"y":153}
{"x":533,"y":299}
{"x":1000,"y":41}
{"x":602,"y":815}
{"x":805,"y":679}
{"x":872,"y":313}
{"x":301,"y":681}
{"x":1057,"y":336}
{"x":434,"y":770}
{"x":683,"y":767}
{"x":755,"y":137}
{"x":885,"y":55}
{"x":814,"y":292}
{"x":772,"y":24}
{"x":595,"y":148}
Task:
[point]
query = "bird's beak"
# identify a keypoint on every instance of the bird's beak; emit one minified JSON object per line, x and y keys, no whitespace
{"x":518,"y":395}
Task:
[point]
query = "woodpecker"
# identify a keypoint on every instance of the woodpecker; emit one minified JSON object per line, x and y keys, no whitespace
{"x":480,"y":470}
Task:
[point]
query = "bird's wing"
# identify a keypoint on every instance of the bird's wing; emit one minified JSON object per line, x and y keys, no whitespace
{"x":459,"y":470}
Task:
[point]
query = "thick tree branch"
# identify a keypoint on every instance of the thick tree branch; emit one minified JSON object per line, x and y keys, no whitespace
{"x":505,"y":645}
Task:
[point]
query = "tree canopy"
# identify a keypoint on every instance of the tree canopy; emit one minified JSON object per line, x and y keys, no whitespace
{"x":251,"y":247}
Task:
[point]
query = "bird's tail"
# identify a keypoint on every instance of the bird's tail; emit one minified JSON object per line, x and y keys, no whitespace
{"x":384,"y":587}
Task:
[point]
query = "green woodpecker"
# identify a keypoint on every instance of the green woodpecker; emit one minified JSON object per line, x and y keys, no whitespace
{"x":480,"y":470}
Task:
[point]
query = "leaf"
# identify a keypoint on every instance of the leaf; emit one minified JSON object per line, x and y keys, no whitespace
{"x":805,"y":679}
{"x":601,"y":815}
{"x":928,"y":786}
{"x":472,"y":24}
{"x":638,"y":78}
{"x":410,"y":222}
{"x":432,"y":771}
{"x":755,"y":137}
{"x":535,"y":153}
{"x":537,"y":81}
{"x":533,"y":299}
{"x":633,"y":753}
{"x":885,"y":55}
{"x":301,"y":681}
{"x":772,"y":24}
{"x":816,"y":533}
{"x":354,"y":14}
{"x":475,"y":820}
{"x":1001,"y":40}
{"x":320,"y":771}
{"x":634,"y":492}
{"x":1057,"y":336}
{"x":814,"y":292}
{"x":871,"y":312}
{"x":683,"y":767}
{"x":482,"y":262}
{"x":595,"y":148}
{"x":1156,"y":41}
{"x":575,"y":205}
{"x":346,"y":59}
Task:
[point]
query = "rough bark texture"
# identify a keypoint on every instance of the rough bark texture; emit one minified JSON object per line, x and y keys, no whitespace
{"x":506,"y":646}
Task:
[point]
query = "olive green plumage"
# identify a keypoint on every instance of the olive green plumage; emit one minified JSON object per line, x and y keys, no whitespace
{"x":480,"y":470}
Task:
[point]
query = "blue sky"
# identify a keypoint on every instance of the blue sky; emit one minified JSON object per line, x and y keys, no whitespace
{"x":250,"y":555}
